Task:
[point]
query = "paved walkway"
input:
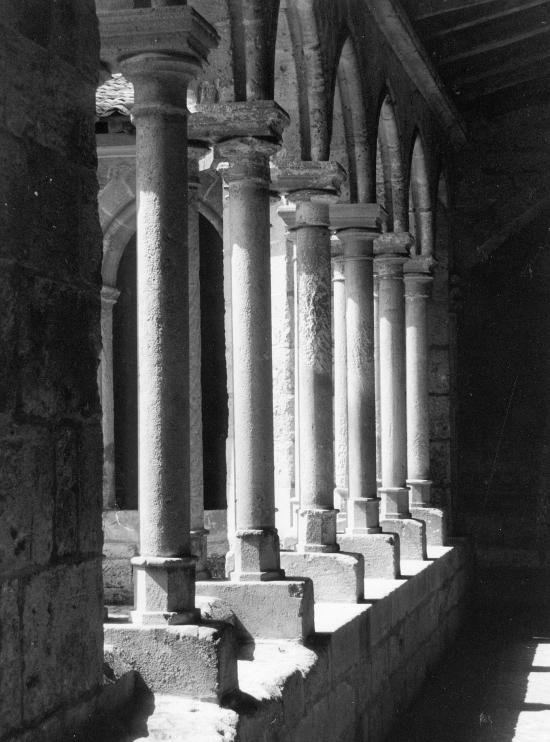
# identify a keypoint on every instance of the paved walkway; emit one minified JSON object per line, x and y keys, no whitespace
{"x":494,"y":686}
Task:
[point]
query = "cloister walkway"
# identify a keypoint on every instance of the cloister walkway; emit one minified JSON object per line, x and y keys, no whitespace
{"x":493,"y":686}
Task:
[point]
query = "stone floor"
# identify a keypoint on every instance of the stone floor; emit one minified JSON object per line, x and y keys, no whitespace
{"x":494,"y":686}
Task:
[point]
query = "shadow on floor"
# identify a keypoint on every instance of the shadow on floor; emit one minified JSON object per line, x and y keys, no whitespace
{"x":494,"y":685}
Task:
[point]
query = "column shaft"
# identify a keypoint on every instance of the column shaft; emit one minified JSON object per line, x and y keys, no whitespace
{"x":418,"y":421}
{"x":315,"y":376}
{"x":391,"y":254}
{"x":196,"y":483}
{"x":257,"y":546}
{"x":363,"y":513}
{"x":109,"y":296}
{"x":340,"y":384}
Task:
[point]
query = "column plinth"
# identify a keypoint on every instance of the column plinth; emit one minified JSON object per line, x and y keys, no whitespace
{"x":163,"y":52}
{"x":391,"y":252}
{"x":418,"y":280}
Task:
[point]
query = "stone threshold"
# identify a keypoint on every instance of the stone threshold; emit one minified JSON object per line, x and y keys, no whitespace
{"x":355,"y":675}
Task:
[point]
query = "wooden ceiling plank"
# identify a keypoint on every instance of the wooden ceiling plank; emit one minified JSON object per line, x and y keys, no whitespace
{"x":491,"y":46}
{"x":488,"y":18}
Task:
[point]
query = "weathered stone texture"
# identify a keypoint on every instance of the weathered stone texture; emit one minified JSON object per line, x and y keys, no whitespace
{"x":50,"y":255}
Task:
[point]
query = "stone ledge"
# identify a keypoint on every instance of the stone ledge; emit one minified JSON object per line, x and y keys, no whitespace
{"x":364,"y":661}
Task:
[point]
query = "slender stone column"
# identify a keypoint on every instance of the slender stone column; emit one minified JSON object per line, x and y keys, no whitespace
{"x":358,"y":225}
{"x":283,"y":321}
{"x":391,"y":251}
{"x":340,"y":388}
{"x":195,"y":151}
{"x":418,"y":279}
{"x":109,"y":296}
{"x":376,"y":286}
{"x":163,"y":52}
{"x":257,"y":543}
{"x":312,"y":186}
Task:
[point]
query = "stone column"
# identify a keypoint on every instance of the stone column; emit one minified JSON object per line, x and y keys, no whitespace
{"x":283,"y":323}
{"x":391,"y":252}
{"x":358,"y":225}
{"x":312,"y":186}
{"x":340,"y":388}
{"x":247,"y":135}
{"x":109,"y":296}
{"x":195,"y":151}
{"x":160,"y":50}
{"x":418,"y":280}
{"x":376,"y":286}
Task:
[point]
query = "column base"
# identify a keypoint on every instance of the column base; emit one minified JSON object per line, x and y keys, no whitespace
{"x":256,"y":556}
{"x":282,"y":609}
{"x":395,"y":502}
{"x":199,"y":661}
{"x":164,"y":591}
{"x":436,"y":524}
{"x":419,"y":492}
{"x":336,"y":577}
{"x":380,"y":551}
{"x":412,"y":536}
{"x":200,"y":551}
{"x":317,"y":531}
{"x":341,"y":495}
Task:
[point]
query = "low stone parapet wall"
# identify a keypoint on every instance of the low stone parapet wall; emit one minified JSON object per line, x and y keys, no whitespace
{"x":360,"y":670}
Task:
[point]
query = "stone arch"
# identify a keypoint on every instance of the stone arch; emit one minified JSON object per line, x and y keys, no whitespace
{"x":421,"y":217}
{"x":349,"y":102}
{"x":391,"y":184}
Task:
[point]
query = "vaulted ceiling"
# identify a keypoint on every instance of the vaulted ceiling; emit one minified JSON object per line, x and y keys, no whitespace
{"x":493,"y":55}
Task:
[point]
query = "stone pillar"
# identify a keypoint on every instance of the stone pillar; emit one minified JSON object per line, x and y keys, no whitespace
{"x":418,"y":279}
{"x":257,"y":543}
{"x":391,"y":252}
{"x":340,"y":388}
{"x":312,"y":186}
{"x":358,"y":225}
{"x":160,"y":50}
{"x":376,"y":286}
{"x":283,"y":332}
{"x":195,"y":151}
{"x":109,"y":296}
{"x":265,"y":604}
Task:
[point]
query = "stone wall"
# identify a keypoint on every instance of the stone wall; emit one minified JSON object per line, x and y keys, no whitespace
{"x":502,"y":254}
{"x":50,"y":447}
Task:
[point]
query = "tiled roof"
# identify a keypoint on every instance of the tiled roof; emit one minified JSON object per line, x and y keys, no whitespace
{"x":116,"y":95}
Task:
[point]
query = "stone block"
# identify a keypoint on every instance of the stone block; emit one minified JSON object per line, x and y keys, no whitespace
{"x":440,"y":416}
{"x":193,"y":660}
{"x":337,"y":577}
{"x":62,"y":618}
{"x":439,"y":377}
{"x":436,"y":524}
{"x":293,"y":699}
{"x":412,"y":536}
{"x":26,"y":504}
{"x":66,"y":492}
{"x":11,"y":662}
{"x":90,"y":474}
{"x":380,"y":552}
{"x":315,"y":682}
{"x":278,"y":609}
{"x":348,"y":647}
